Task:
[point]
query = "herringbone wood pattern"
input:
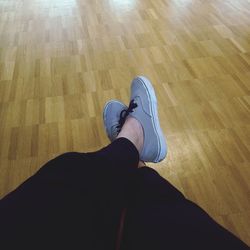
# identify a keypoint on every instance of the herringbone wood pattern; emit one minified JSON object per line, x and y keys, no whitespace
{"x":61,"y":60}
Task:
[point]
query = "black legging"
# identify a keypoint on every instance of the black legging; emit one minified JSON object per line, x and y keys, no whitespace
{"x":75,"y":201}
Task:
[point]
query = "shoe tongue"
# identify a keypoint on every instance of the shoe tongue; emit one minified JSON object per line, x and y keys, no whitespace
{"x":141,"y":106}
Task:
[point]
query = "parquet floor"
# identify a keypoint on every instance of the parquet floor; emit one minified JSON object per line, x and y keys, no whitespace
{"x":61,"y":60}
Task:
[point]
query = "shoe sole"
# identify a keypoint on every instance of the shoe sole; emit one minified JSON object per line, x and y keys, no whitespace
{"x":156,"y":123}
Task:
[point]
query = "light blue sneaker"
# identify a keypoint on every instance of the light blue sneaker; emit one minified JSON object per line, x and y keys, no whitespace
{"x":113,"y":114}
{"x":144,"y":101}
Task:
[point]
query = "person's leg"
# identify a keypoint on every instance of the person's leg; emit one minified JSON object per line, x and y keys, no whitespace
{"x":159,"y":217}
{"x":71,"y":201}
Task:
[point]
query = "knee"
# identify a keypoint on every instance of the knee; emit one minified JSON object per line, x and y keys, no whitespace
{"x":64,"y":163}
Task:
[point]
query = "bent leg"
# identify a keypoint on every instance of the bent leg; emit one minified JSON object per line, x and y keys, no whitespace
{"x":69,"y":200}
{"x":159,"y":217}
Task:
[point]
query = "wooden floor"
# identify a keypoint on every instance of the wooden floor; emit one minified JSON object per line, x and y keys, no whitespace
{"x":61,"y":60}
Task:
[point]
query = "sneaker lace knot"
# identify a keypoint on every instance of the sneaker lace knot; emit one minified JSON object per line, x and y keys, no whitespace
{"x":124,"y":114}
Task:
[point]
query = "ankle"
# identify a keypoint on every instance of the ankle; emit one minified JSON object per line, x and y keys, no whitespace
{"x":133,"y":131}
{"x":141,"y":164}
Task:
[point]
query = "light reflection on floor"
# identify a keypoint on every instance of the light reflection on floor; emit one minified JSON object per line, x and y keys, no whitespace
{"x":125,"y":5}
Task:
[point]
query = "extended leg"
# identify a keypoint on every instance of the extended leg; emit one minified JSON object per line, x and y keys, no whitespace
{"x":159,"y":217}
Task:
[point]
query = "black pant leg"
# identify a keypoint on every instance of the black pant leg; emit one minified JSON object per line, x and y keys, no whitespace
{"x":68,"y":202}
{"x":159,"y":217}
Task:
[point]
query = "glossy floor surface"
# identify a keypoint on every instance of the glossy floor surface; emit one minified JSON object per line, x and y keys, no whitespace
{"x":61,"y":60}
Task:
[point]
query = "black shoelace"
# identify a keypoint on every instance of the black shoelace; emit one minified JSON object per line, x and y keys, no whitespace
{"x":124,"y":114}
